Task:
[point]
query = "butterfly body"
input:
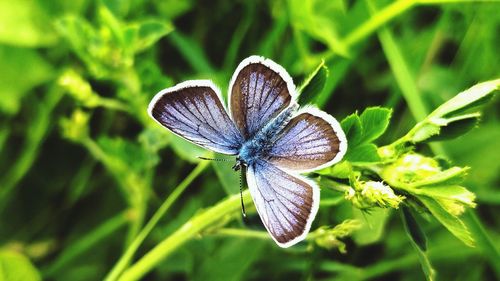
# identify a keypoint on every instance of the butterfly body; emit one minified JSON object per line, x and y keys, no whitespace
{"x":269,"y":135}
{"x":259,"y":145}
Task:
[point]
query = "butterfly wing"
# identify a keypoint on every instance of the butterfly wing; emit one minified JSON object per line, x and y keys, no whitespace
{"x":286,"y":204}
{"x":311,"y":140}
{"x":258,"y":91}
{"x":194,"y":111}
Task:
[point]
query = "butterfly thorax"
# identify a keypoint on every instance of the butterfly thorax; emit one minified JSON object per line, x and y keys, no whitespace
{"x":258,"y":146}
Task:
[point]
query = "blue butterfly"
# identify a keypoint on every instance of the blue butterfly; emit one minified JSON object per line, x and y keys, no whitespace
{"x":270,"y":136}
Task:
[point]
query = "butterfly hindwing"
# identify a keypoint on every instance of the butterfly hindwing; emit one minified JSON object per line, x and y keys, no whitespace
{"x":287,"y":204}
{"x":259,"y":90}
{"x":194,"y":111}
{"x":311,"y":140}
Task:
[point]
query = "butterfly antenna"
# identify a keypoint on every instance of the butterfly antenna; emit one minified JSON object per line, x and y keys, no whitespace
{"x":215,"y":159}
{"x":243,"y":212}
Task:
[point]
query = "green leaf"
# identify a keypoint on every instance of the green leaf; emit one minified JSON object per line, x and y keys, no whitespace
{"x":433,"y":129}
{"x":319,"y":19}
{"x":451,"y":222}
{"x":373,"y":225}
{"x":453,"y":175}
{"x":152,"y":139}
{"x":351,"y":125}
{"x":362,"y":130}
{"x":418,"y":242}
{"x":313,"y":84}
{"x":374,"y":121}
{"x":84,"y":41}
{"x":363,"y":153}
{"x":340,"y":170}
{"x":456,"y":127}
{"x":472,"y":97}
{"x":456,"y":193}
{"x":129,"y":153}
{"x":413,"y":229}
{"x":23,"y":23}
{"x":148,"y":32}
{"x":16,"y":267}
{"x":425,"y":131}
{"x":14,"y":61}
{"x":448,"y":120}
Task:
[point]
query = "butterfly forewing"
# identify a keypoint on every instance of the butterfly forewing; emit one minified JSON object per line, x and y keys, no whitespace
{"x":194,"y":111}
{"x":286,"y":204}
{"x":259,"y":90}
{"x":311,"y":140}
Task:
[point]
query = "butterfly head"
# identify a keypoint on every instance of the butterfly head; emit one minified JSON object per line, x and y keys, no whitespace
{"x":239,"y":163}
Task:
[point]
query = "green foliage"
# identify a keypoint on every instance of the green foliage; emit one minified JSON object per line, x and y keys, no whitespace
{"x":362,"y":130}
{"x":452,"y":119}
{"x":418,"y":241}
{"x":92,"y":189}
{"x":35,"y":69}
{"x":16,"y":267}
{"x":25,"y":24}
{"x":313,"y":84}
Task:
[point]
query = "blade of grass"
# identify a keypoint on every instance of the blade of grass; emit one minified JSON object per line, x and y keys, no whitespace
{"x":377,"y":20}
{"x":192,"y":52}
{"x":86,"y":242}
{"x":134,"y":246}
{"x":273,"y":37}
{"x":367,"y":28}
{"x":400,"y":69}
{"x":404,"y":77}
{"x":35,"y":133}
{"x":239,"y":35}
{"x":225,"y":209}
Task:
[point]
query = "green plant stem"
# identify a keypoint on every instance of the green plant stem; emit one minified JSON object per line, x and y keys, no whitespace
{"x":35,"y":133}
{"x":382,"y":17}
{"x":242,"y":233}
{"x":132,"y":248}
{"x":115,"y":104}
{"x":400,"y":70}
{"x":227,"y":208}
{"x":191,"y":52}
{"x":248,"y":233}
{"x":331,"y":202}
{"x":132,"y":186}
{"x":354,"y":37}
{"x":86,"y":242}
{"x":239,"y":34}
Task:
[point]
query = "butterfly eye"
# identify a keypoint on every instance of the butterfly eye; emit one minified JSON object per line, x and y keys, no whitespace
{"x":237,"y":166}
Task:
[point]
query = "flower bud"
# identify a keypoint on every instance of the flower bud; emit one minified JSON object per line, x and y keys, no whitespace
{"x":373,"y":194}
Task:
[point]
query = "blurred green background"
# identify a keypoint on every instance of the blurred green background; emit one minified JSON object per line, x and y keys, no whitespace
{"x":83,"y":167}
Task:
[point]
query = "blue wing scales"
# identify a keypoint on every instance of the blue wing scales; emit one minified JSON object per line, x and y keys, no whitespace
{"x":287,"y":204}
{"x":194,"y":111}
{"x":310,"y":141}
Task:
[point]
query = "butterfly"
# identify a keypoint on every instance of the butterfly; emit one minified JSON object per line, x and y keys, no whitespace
{"x":273,"y":140}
